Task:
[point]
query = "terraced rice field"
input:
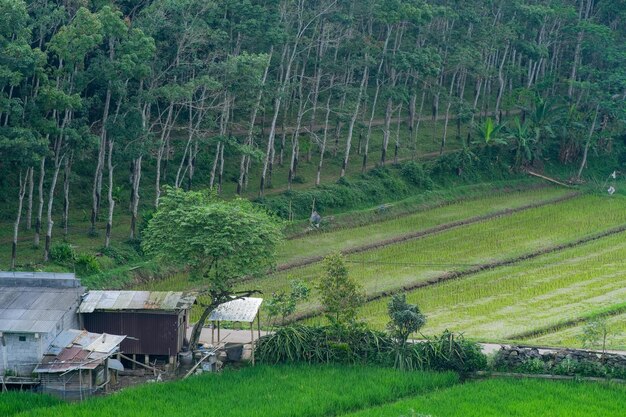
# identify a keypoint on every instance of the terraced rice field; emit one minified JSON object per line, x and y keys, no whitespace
{"x":415,"y":262}
{"x":570,"y":336}
{"x":538,"y":293}
{"x":323,"y":243}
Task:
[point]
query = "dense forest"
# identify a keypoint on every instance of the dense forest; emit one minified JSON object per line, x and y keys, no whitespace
{"x":134,"y":95}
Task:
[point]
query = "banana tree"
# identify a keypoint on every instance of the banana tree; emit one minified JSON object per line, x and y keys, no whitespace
{"x":489,"y":133}
{"x":524,"y":144}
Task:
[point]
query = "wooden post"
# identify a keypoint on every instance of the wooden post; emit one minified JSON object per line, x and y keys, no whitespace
{"x":252,"y":341}
{"x":134,"y":360}
{"x":213,"y":333}
{"x":146,"y":359}
{"x":258,"y":323}
{"x":218,"y":332}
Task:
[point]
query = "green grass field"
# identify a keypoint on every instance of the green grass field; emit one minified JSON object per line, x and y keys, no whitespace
{"x":541,"y":292}
{"x":508,"y":398}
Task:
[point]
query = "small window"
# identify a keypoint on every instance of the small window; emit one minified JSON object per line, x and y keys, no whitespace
{"x":22,"y":338}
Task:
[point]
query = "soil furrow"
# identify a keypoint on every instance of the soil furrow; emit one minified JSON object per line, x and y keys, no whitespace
{"x":448,"y":276}
{"x":430,"y":231}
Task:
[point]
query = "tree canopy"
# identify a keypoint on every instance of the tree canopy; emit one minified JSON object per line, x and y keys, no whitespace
{"x":216,"y":239}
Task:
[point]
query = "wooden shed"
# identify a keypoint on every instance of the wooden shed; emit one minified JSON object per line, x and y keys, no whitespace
{"x":78,"y":363}
{"x":155,"y":323}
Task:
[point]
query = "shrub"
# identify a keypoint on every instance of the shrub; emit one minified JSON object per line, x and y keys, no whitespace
{"x":63,"y":254}
{"x":415,"y":174}
{"x":358,"y":344}
{"x":373,"y":188}
{"x":120,"y":254}
{"x":298,"y":179}
{"x":325,"y":344}
{"x":532,"y":366}
{"x":450,"y":352}
{"x":87,"y":264}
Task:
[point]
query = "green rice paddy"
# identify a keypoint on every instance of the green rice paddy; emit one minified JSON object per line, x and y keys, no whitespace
{"x":401,"y":265}
{"x":538,"y":293}
{"x":349,"y":391}
{"x":509,"y":397}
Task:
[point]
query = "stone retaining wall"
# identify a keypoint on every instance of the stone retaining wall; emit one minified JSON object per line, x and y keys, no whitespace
{"x":512,"y":357}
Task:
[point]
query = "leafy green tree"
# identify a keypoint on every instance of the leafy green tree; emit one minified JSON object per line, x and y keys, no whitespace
{"x":282,"y":304}
{"x":595,"y":333}
{"x":217,"y":240}
{"x":341,"y":295}
{"x":405,"y":319}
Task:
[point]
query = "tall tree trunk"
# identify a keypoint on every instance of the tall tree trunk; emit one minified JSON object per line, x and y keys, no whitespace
{"x":66,"y":193}
{"x":386,"y":131}
{"x":29,"y":209}
{"x":445,"y":127}
{"x":161,"y":151}
{"x":325,"y":134}
{"x":397,"y":145}
{"x":107,"y":237}
{"x":215,"y":164}
{"x":245,"y":158}
{"x":355,"y":115}
{"x":50,"y":223}
{"x":135,"y":200}
{"x":501,"y":81}
{"x":419,"y":121}
{"x":583,"y":163}
{"x":42,"y":174}
{"x":16,"y":226}
{"x":220,"y":176}
{"x":97,"y":178}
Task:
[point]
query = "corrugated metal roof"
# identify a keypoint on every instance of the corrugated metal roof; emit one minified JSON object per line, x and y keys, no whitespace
{"x":136,"y":300}
{"x":38,"y":279}
{"x":78,"y":349}
{"x":243,"y":310}
{"x":35,"y":310}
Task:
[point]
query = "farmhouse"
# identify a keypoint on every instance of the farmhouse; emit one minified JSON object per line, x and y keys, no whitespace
{"x":155,"y":322}
{"x":79,"y":363}
{"x":35,"y":307}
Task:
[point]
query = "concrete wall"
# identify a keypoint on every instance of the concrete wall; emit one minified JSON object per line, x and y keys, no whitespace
{"x":22,"y":357}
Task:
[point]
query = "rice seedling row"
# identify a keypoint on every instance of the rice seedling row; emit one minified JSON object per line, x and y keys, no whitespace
{"x":496,"y":304}
{"x":311,"y":248}
{"x":604,"y":313}
{"x":571,"y":336}
{"x":305,"y":391}
{"x":404,"y":265}
{"x":509,"y":397}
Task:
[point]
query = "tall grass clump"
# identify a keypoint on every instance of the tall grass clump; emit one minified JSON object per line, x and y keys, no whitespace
{"x":13,"y":403}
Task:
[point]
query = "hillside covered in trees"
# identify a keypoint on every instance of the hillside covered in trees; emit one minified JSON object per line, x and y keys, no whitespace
{"x":103,"y":104}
